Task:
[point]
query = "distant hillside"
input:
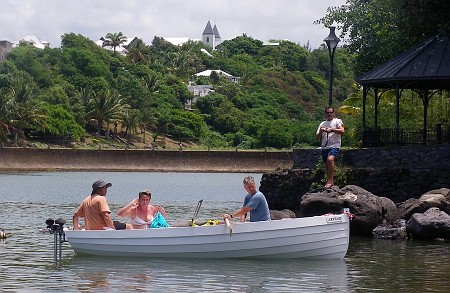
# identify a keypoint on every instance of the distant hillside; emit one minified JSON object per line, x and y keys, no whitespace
{"x":62,"y":93}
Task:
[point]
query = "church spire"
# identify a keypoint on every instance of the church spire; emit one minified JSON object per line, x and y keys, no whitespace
{"x":208,"y":37}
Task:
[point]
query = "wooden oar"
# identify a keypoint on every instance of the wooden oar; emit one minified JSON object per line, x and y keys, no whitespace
{"x":229,"y":227}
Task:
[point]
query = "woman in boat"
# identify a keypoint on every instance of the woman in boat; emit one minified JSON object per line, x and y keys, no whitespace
{"x":140,"y":211}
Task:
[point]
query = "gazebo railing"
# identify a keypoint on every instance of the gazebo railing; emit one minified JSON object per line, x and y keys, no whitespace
{"x":385,"y":137}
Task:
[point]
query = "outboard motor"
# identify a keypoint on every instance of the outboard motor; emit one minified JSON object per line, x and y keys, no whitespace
{"x":56,"y":227}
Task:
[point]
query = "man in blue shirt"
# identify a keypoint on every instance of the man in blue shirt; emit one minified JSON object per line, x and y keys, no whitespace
{"x":254,"y":202}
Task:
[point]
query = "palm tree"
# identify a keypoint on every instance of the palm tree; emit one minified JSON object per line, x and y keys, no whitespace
{"x":106,"y":106}
{"x":20,"y":110}
{"x":113,"y":40}
{"x":5,"y":101}
{"x":148,"y":121}
{"x":182,"y":62}
{"x":138,"y":52}
{"x":152,"y":83}
{"x":131,"y":120}
{"x":85,"y":95}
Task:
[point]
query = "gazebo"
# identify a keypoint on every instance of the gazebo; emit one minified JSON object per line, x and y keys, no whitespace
{"x":424,"y":69}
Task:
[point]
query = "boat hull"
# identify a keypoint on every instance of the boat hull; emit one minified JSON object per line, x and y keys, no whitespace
{"x":321,"y":237}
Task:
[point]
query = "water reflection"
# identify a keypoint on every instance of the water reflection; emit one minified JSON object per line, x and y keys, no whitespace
{"x":409,"y":266}
{"x":207,"y":275}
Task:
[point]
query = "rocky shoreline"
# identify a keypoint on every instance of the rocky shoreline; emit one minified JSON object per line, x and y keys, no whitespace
{"x":422,"y":217}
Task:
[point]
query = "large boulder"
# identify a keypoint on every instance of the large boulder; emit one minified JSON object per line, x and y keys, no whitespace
{"x":432,"y":224}
{"x":438,"y":198}
{"x":389,"y":210}
{"x":284,"y":189}
{"x":395,"y":231}
{"x":369,"y":210}
{"x":278,"y":215}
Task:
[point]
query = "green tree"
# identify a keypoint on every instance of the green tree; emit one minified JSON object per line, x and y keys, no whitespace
{"x":34,"y":61}
{"x":227,"y":118}
{"x":25,"y":111}
{"x":270,"y":56}
{"x":208,"y":103}
{"x":131,"y":119}
{"x":182,"y":124}
{"x":293,"y":56}
{"x":55,"y":95}
{"x":275,"y":133}
{"x":241,"y":140}
{"x":61,"y":124}
{"x":182,"y":63}
{"x":240,"y":45}
{"x":71,"y":40}
{"x":138,"y":52}
{"x":113,"y":40}
{"x":380,"y":30}
{"x":106,"y":106}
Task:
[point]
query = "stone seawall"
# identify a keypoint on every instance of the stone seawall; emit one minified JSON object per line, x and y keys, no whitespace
{"x":409,"y":157}
{"x":29,"y":159}
{"x":398,"y":173}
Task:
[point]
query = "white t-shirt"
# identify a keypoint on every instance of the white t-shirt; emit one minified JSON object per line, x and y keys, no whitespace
{"x":330,"y":140}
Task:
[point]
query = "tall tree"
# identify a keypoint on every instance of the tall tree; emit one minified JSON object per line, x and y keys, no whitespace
{"x":182,"y":63}
{"x":106,"y":106}
{"x":25,"y":111}
{"x":131,"y":119}
{"x":113,"y":40}
{"x":380,"y":30}
{"x":138,"y":52}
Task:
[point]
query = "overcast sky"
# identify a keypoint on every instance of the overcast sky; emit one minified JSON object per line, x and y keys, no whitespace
{"x":260,"y":19}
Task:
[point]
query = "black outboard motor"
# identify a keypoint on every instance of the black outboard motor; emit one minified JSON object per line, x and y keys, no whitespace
{"x":56,"y":227}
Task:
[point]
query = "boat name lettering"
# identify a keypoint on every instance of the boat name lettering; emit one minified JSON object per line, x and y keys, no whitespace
{"x":334,"y":219}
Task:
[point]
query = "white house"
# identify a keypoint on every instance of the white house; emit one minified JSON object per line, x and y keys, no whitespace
{"x":197,"y":92}
{"x":202,"y":90}
{"x":32,"y":40}
{"x":221,"y":73}
{"x":180,"y":41}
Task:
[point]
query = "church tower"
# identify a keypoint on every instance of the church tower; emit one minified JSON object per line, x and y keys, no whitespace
{"x":217,"y":38}
{"x":211,"y":36}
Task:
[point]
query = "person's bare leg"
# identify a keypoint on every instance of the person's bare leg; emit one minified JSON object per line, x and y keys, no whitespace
{"x":330,"y":171}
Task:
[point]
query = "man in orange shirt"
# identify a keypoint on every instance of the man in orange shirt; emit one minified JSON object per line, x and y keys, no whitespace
{"x":94,"y":209}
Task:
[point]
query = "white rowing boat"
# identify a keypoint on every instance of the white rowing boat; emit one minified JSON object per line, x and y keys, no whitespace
{"x":320,"y":237}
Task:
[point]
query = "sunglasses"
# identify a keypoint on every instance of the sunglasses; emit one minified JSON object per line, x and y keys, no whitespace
{"x":329,"y":112}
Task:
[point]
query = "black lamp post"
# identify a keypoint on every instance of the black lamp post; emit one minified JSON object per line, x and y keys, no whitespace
{"x":332,"y":42}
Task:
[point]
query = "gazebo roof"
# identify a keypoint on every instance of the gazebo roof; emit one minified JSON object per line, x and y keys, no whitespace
{"x":426,"y":66}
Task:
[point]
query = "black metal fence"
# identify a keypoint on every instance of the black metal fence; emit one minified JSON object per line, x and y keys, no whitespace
{"x":384,"y":137}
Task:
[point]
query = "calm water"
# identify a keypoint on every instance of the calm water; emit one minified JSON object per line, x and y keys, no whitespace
{"x":26,"y":256}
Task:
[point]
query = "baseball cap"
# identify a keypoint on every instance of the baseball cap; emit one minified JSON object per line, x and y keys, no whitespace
{"x":100,"y":184}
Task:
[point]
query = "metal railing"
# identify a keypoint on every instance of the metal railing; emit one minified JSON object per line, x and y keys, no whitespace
{"x":384,"y":137}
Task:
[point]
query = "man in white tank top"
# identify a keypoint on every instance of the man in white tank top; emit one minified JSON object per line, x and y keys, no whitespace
{"x":330,"y":132}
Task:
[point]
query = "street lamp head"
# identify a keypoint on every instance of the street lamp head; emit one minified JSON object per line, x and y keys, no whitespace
{"x":332,"y":40}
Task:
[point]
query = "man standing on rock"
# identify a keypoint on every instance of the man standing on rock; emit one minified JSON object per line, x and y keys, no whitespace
{"x":330,"y":132}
